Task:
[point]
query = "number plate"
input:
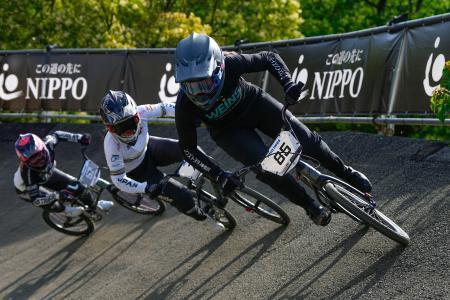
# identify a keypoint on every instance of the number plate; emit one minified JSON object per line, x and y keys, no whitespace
{"x":188,"y":171}
{"x":89,"y":173}
{"x":283,"y":155}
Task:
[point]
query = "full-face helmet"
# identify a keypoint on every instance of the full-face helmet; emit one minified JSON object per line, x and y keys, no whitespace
{"x":200,"y":69}
{"x":31,"y":150}
{"x":119,"y":113}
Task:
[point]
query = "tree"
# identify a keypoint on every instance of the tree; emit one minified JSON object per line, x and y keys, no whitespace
{"x":338,"y":16}
{"x":142,"y":23}
{"x":440,"y":100}
{"x":255,"y":21}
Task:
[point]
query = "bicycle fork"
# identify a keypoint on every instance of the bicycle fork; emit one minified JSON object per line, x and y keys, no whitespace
{"x":317,"y":181}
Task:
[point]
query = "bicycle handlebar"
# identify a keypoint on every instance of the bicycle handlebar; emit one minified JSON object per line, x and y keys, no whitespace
{"x":83,"y":152}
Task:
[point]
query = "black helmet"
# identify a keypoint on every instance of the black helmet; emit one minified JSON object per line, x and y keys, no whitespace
{"x":200,"y":69}
{"x":119,"y":113}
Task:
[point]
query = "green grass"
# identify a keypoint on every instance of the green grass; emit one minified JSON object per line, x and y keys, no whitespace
{"x":439,"y":133}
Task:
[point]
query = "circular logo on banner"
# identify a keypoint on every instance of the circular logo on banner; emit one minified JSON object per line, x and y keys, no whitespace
{"x":434,"y":68}
{"x":168,"y":88}
{"x":301,"y":75}
{"x":8,"y":85}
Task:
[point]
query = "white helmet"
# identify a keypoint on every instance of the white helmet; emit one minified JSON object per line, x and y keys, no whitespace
{"x":119,"y":113}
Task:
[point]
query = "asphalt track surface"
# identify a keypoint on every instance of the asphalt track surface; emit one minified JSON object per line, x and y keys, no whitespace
{"x":130,"y":256}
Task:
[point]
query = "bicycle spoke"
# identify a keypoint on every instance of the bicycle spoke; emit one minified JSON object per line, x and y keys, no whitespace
{"x":364,"y":208}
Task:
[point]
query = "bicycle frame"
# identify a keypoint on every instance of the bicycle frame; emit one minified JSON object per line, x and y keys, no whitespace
{"x":315,"y":179}
{"x":196,"y":180}
{"x":96,"y":184}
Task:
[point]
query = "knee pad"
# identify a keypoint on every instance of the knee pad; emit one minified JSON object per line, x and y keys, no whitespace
{"x":196,"y":213}
{"x":180,"y":196}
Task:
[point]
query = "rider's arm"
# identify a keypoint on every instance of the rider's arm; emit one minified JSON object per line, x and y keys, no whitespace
{"x":57,"y":136}
{"x":126,"y":184}
{"x":116,"y":167}
{"x":187,"y":133}
{"x":257,"y":62}
{"x":32,"y":192}
{"x":149,"y":111}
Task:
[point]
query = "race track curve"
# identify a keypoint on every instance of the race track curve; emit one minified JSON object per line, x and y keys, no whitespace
{"x":130,"y":256}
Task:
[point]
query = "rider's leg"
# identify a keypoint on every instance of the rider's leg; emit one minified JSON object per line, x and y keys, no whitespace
{"x":269,"y":119}
{"x":60,"y":180}
{"x":164,"y":151}
{"x":173,"y":191}
{"x":246,"y":146}
{"x":181,"y":197}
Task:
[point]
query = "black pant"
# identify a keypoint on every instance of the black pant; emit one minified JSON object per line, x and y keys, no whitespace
{"x":242,"y":142}
{"x":60,"y":180}
{"x":163,"y":152}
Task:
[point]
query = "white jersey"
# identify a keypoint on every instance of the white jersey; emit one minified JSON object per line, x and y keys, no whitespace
{"x":123,"y":158}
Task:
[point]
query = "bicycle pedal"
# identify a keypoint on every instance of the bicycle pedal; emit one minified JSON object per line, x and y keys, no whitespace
{"x":95,"y":215}
{"x":368,"y":196}
{"x":333,"y":210}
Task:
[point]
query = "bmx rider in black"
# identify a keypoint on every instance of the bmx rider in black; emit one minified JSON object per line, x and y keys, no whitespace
{"x":212,"y":89}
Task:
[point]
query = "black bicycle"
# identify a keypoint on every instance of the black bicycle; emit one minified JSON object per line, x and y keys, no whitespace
{"x":251,"y":200}
{"x":84,"y":223}
{"x":285,"y":154}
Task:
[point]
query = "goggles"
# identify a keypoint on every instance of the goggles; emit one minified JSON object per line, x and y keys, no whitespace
{"x":39,"y":159}
{"x":204,"y":85}
{"x":126,"y":128}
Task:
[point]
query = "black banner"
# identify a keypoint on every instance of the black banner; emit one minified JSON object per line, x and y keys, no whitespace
{"x":385,"y":70}
{"x":344,"y":76}
{"x":54,"y":82}
{"x":420,"y":66}
{"x":150,"y":78}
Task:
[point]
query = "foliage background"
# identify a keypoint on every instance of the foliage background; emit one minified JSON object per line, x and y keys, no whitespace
{"x":162,"y":23}
{"x":26,"y":24}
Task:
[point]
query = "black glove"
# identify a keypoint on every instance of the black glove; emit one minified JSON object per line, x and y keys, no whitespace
{"x":85,"y":139}
{"x":228,"y":182}
{"x":153,"y":190}
{"x":45,"y":199}
{"x":293,"y":91}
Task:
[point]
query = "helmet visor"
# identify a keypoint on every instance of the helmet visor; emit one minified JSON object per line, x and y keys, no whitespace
{"x":203,"y":92}
{"x":126,"y":128}
{"x":197,"y":87}
{"x":39,"y":159}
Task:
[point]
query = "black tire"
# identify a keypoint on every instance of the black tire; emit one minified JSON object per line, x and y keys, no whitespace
{"x":336,"y":207}
{"x":252,"y":200}
{"x":145,"y":205}
{"x":356,"y":204}
{"x":219,"y":214}
{"x":76,"y":226}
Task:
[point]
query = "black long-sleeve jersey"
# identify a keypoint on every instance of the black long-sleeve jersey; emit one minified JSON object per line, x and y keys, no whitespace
{"x":33,"y":178}
{"x":236,"y":96}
